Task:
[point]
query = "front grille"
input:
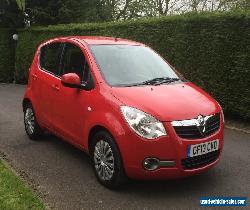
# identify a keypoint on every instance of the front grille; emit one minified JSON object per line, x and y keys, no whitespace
{"x":192,"y":132}
{"x":201,"y":160}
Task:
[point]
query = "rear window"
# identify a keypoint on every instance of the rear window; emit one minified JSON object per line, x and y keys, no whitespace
{"x":50,"y":57}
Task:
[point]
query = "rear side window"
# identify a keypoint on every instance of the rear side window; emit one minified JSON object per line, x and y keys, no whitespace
{"x":50,"y":57}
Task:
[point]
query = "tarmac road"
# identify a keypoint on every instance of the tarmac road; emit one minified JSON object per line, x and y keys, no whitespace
{"x":63,"y":174}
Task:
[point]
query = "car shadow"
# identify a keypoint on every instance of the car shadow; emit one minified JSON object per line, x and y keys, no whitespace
{"x":172,"y":186}
{"x":65,"y":146}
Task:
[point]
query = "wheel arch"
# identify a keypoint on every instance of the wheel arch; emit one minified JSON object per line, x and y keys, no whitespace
{"x":25,"y":102}
{"x":98,"y":128}
{"x":93,"y":131}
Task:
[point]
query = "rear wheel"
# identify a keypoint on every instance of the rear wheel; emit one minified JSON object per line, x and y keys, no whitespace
{"x":32,"y":128}
{"x":106,"y":160}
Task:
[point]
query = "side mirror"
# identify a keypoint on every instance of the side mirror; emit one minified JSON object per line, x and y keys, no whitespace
{"x":71,"y":80}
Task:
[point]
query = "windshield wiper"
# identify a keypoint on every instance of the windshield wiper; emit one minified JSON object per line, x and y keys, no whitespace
{"x":159,"y":80}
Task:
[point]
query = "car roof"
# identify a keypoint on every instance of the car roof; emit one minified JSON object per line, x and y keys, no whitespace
{"x":98,"y":40}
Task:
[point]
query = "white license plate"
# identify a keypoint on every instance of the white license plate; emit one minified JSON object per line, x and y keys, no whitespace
{"x":202,"y":148}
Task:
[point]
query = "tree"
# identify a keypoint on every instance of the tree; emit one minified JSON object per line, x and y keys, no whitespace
{"x":10,"y":15}
{"x":45,"y":12}
{"x":63,"y":11}
{"x":21,"y":5}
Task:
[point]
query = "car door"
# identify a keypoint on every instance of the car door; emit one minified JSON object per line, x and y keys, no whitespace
{"x":47,"y":75}
{"x":70,"y":104}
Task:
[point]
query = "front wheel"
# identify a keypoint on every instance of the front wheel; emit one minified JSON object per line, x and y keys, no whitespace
{"x":32,"y":127}
{"x":107,"y":162}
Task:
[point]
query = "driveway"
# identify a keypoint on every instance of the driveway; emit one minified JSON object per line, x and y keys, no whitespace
{"x":63,"y":174}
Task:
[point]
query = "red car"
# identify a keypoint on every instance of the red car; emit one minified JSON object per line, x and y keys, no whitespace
{"x":125,"y":106}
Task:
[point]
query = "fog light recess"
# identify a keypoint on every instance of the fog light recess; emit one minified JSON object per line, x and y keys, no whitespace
{"x":151,"y":164}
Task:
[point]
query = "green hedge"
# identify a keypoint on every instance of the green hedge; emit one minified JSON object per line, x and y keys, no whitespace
{"x":7,"y":60}
{"x":211,"y":50}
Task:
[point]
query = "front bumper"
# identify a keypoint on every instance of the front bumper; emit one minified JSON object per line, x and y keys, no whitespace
{"x":135,"y":149}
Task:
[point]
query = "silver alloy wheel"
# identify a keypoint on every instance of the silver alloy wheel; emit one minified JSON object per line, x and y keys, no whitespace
{"x":104,"y":160}
{"x":30,"y":120}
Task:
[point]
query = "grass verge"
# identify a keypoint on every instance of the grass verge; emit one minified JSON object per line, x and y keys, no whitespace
{"x":14,"y":194}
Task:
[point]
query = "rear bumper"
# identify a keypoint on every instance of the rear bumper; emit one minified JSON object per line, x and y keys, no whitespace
{"x":135,"y":149}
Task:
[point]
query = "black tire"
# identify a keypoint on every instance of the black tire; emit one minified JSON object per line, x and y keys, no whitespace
{"x":36,"y":132}
{"x":118,"y":177}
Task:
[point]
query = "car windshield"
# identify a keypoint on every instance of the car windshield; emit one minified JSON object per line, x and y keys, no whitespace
{"x":126,"y":65}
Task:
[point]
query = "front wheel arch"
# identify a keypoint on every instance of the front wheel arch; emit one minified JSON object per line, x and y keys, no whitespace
{"x":119,"y":177}
{"x":93,"y":131}
{"x":99,"y":128}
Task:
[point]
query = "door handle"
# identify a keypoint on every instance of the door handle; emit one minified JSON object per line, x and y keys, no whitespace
{"x":55,"y":87}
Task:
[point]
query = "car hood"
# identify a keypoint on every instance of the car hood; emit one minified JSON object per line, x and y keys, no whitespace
{"x":168,"y":102}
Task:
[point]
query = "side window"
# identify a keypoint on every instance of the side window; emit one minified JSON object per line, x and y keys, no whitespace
{"x":74,"y":62}
{"x":50,"y":57}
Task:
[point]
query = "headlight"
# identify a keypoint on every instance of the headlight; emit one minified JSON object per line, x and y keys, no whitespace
{"x":142,"y":123}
